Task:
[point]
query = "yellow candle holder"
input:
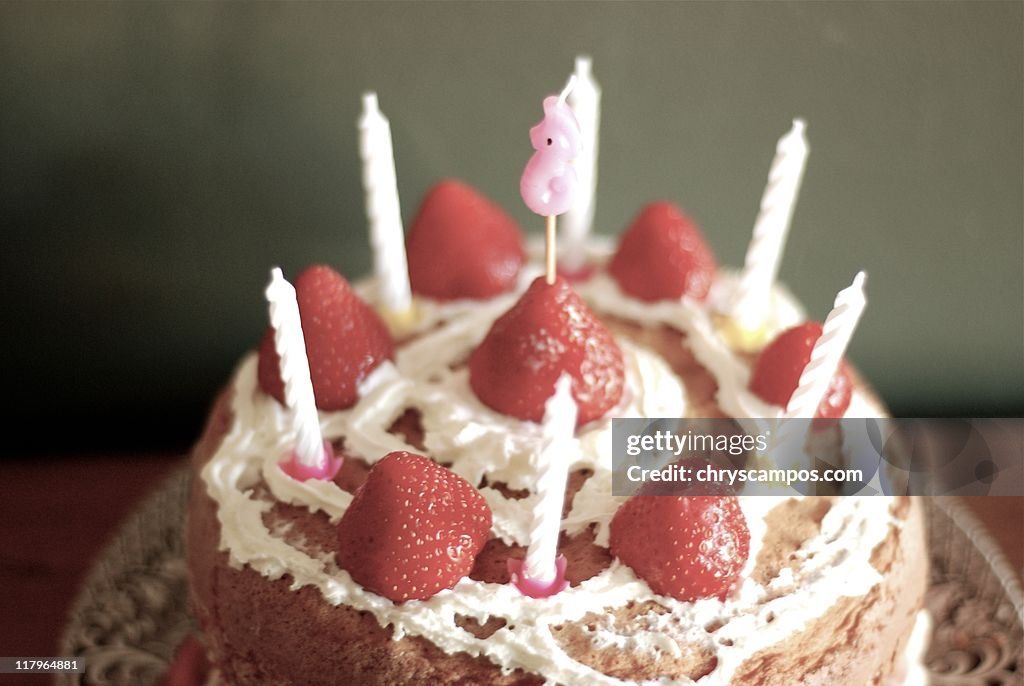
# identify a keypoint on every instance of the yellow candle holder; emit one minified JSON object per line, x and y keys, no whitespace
{"x":400,"y":322}
{"x":739,"y":337}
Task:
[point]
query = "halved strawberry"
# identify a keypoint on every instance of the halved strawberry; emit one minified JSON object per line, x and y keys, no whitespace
{"x":413,"y":529}
{"x":662,"y":256}
{"x":778,"y":368}
{"x":462,"y":245}
{"x":686,"y":547}
{"x":547,"y":332}
{"x":345,"y":340}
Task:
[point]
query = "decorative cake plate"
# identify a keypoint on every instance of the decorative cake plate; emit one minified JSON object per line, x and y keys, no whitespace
{"x":132,"y":612}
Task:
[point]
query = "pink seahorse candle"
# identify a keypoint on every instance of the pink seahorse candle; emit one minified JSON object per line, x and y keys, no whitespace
{"x":549,"y":182}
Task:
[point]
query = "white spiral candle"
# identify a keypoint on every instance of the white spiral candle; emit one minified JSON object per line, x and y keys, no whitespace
{"x":828,"y":350}
{"x":558,"y":428}
{"x":383,"y":211}
{"x":298,"y":385}
{"x":585,"y":101}
{"x":764,"y":254}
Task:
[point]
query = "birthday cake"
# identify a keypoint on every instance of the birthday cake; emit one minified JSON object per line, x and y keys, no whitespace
{"x":445,"y":514}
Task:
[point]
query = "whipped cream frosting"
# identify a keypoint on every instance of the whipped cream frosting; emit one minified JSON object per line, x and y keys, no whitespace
{"x":427,"y":374}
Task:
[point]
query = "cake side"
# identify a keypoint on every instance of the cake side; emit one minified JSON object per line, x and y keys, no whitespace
{"x":263,"y":631}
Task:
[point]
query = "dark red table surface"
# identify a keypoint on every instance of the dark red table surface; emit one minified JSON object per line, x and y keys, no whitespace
{"x":56,"y":514}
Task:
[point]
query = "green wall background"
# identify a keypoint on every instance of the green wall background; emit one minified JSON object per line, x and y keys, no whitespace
{"x":157,"y":159}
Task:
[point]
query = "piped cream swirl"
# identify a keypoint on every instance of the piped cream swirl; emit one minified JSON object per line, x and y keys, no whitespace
{"x":458,"y":429}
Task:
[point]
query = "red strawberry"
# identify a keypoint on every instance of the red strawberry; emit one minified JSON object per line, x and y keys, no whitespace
{"x":548,"y":332}
{"x":413,"y":529}
{"x":686,"y":547}
{"x":663,"y":256}
{"x":462,"y":245}
{"x":779,"y":366}
{"x":345,"y":340}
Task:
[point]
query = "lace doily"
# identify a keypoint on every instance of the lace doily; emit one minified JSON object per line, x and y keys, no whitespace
{"x":132,"y":611}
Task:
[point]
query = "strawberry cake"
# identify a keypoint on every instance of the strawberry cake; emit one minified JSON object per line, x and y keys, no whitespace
{"x":397,"y":569}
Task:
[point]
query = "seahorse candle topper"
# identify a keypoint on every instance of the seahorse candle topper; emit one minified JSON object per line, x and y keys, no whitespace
{"x":549,"y":181}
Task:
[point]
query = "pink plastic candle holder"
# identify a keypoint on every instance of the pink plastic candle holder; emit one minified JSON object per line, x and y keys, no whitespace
{"x":533,"y":588}
{"x":325,"y":471}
